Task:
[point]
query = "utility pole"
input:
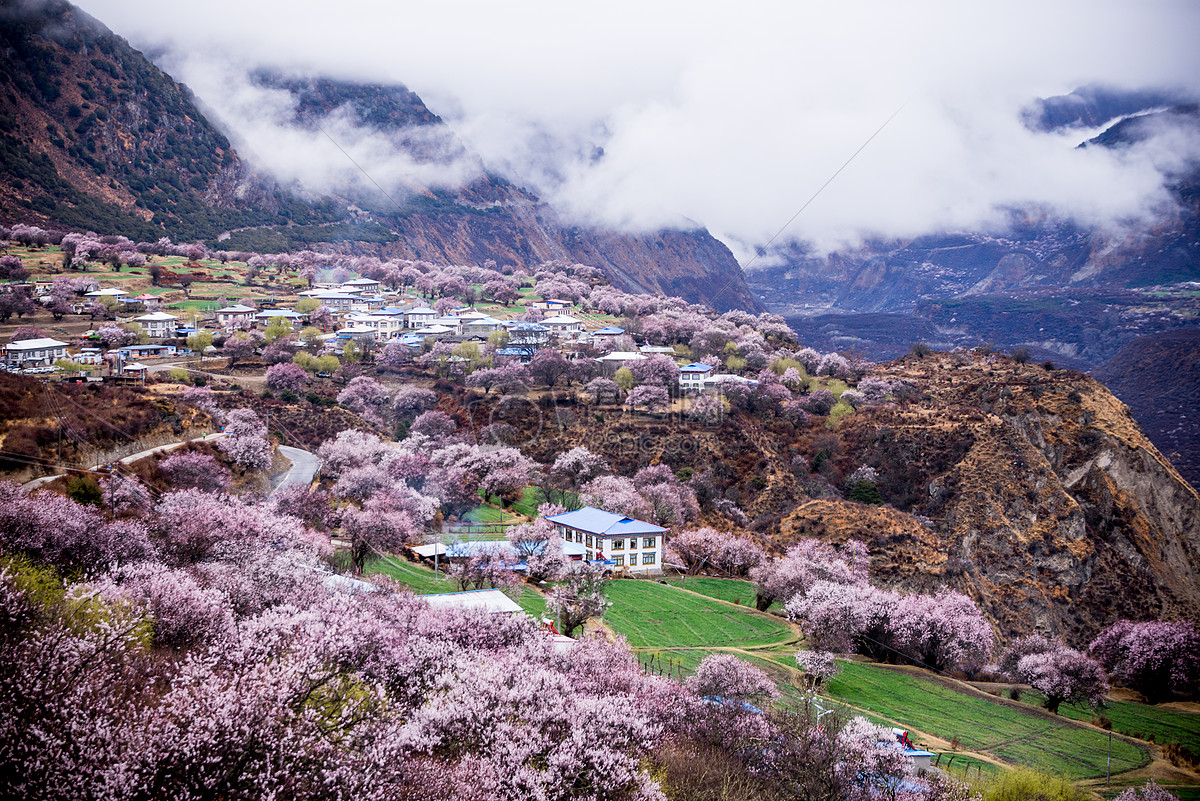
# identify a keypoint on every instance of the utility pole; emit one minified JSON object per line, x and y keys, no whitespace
{"x":112,"y":485}
{"x":1108,"y":768}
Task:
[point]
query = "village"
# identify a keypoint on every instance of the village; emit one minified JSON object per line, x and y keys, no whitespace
{"x":532,"y":445}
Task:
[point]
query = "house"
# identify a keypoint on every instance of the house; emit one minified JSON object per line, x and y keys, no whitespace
{"x":435,"y":331}
{"x":269,"y":316}
{"x":665,"y":350}
{"x":360,"y":285}
{"x":449,"y":321}
{"x":158,"y":325}
{"x":383,"y":327}
{"x":108,"y":292}
{"x":89,"y":356}
{"x":235,"y":316}
{"x":551,"y":304}
{"x":712,"y":384}
{"x":336,"y":300}
{"x":562,"y":324}
{"x":41,"y":352}
{"x":526,"y":336}
{"x":481,"y":326}
{"x":691,"y":376}
{"x":146,"y":351}
{"x":625,"y":543}
{"x":419,"y":317}
{"x":619,"y":358}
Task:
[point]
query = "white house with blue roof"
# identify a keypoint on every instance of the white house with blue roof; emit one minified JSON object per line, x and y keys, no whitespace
{"x":691,"y":376}
{"x":623,"y":542}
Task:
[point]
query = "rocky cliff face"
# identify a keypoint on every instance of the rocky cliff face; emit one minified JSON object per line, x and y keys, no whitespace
{"x":1056,"y":513}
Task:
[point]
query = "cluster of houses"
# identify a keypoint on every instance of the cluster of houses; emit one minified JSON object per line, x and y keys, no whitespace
{"x":367,"y":314}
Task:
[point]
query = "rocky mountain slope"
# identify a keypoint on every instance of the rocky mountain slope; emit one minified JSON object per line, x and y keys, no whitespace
{"x":1158,"y":376}
{"x":1031,"y":490}
{"x":94,"y":136}
{"x":1049,"y":504}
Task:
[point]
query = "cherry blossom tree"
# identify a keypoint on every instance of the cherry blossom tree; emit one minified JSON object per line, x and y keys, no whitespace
{"x":943,"y":631}
{"x":615,"y":494}
{"x":550,"y":562}
{"x":576,"y":467}
{"x":367,"y":398}
{"x":730,"y":678}
{"x":548,"y":366}
{"x":1150,"y":791}
{"x":245,"y":440}
{"x":652,"y":398}
{"x":806,"y":562}
{"x":286,"y":377}
{"x":1156,"y":658}
{"x":434,"y":424}
{"x":409,"y":401}
{"x":309,"y":505}
{"x":656,"y":370}
{"x":123,"y":493}
{"x":578,"y":598}
{"x":1063,"y":675}
{"x":384,"y":524}
{"x":350,"y":449}
{"x":719,"y":551}
{"x":847,"y":618}
{"x":52,"y":529}
{"x":508,"y":378}
{"x":604,"y":390}
{"x":818,"y":666}
{"x":186,"y":469}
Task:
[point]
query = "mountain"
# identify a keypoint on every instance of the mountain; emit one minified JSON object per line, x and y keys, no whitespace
{"x":1158,"y":376}
{"x":1049,"y":504}
{"x":93,"y":136}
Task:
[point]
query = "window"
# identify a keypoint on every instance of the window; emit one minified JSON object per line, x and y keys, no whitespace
{"x":620,"y":561}
{"x":649,"y":558}
{"x":648,"y":542}
{"x":589,"y":540}
{"x":618,"y":545}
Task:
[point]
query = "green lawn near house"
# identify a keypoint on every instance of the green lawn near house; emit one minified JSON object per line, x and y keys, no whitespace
{"x":653,"y":615}
{"x":735,"y":591}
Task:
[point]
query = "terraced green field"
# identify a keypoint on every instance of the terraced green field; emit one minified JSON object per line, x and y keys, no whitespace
{"x":1010,"y":733}
{"x":653,"y":615}
{"x":735,"y":591}
{"x":1139,"y":720}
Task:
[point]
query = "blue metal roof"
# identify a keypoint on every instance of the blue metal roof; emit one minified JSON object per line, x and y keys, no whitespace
{"x":696,"y":367}
{"x":612,"y":329}
{"x":604,"y":524}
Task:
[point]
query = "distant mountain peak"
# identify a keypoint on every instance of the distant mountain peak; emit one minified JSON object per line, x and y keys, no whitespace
{"x":1095,"y":105}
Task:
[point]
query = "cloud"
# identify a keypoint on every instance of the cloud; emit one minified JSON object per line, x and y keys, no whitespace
{"x":724,"y":115}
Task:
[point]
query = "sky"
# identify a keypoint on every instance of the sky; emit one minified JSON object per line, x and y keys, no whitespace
{"x":727,"y":115}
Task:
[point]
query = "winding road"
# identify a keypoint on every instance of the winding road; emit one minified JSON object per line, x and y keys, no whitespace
{"x":304,"y":468}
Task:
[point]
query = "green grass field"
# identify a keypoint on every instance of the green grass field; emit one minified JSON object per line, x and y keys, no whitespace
{"x":653,"y":615}
{"x":735,"y":591}
{"x":1142,"y":721}
{"x":1012,"y":734}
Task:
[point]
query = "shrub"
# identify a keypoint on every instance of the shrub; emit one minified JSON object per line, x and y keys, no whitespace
{"x":1029,"y":785}
{"x":84,"y":489}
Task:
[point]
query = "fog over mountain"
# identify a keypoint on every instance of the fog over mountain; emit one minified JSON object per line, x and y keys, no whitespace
{"x":638,"y":117}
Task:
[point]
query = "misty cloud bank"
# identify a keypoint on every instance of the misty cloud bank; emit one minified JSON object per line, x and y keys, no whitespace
{"x":683,"y":114}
